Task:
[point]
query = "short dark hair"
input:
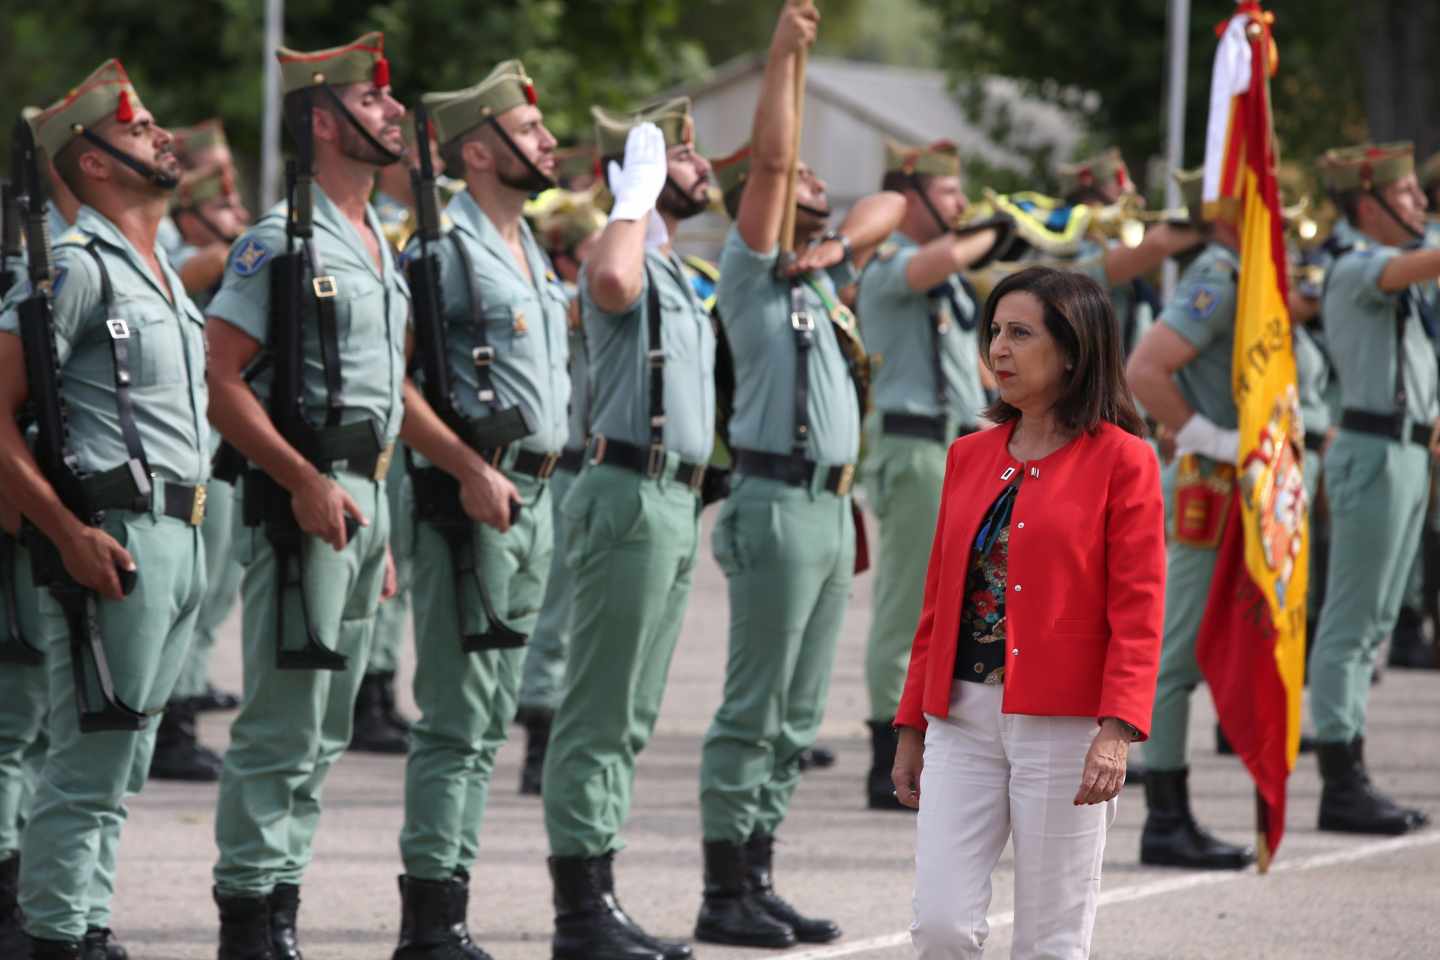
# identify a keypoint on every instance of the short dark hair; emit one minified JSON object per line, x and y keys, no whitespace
{"x":1079,"y":316}
{"x":292,"y":108}
{"x":897,"y":181}
{"x":1348,"y":203}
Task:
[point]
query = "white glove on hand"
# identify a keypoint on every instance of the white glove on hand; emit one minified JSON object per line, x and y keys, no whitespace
{"x":638,"y":183}
{"x":656,"y":236}
{"x":1201,"y":435}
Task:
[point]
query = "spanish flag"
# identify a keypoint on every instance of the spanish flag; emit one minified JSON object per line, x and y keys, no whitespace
{"x":1251,"y":645}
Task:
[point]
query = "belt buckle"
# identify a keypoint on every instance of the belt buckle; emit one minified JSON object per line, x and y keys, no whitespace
{"x":324,"y":287}
{"x":547,"y":466}
{"x":598,"y":457}
{"x":655,"y":461}
{"x":697,"y":478}
{"x":197,"y":506}
{"x":802,"y":321}
{"x":382,"y":463}
{"x":119,"y":329}
{"x":847,"y":480}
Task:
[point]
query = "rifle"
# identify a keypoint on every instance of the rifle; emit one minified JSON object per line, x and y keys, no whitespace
{"x":267,"y":504}
{"x":437,"y":493}
{"x":80,"y":493}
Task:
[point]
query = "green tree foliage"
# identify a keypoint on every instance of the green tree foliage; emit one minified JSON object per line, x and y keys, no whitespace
{"x":1107,"y":60}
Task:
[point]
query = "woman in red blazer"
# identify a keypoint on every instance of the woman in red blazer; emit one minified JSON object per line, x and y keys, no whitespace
{"x":1035,"y":658}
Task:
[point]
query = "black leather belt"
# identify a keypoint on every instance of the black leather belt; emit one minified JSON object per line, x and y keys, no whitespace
{"x":1314,"y":442}
{"x":794,"y":471}
{"x":571,"y":459}
{"x":645,"y":460}
{"x":914,"y":425}
{"x":537,"y":465}
{"x":184,"y":502}
{"x":1382,"y":425}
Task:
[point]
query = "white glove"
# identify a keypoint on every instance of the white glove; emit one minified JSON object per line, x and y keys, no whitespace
{"x":1201,"y":435}
{"x":638,"y":183}
{"x":656,"y":236}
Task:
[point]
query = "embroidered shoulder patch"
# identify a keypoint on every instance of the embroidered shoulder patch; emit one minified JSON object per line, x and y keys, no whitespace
{"x":249,"y":257}
{"x":1203,"y":303}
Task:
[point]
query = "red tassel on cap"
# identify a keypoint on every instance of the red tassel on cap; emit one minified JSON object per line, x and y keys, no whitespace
{"x":124,"y":113}
{"x":382,"y":72}
{"x":530,"y":97}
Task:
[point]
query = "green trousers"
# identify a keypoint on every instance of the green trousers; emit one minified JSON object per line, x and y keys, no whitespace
{"x":222,"y":575}
{"x":24,"y":694}
{"x":467,"y":700}
{"x":903,"y":479}
{"x":295,"y":724}
{"x":391,"y":618}
{"x":1378,"y":493}
{"x":68,"y":847}
{"x":631,"y":544}
{"x":788,"y":554}
{"x":543,"y":675}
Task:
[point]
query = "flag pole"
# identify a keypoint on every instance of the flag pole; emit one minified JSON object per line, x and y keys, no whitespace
{"x":1179,"y":23}
{"x":270,"y":129}
{"x":787,"y":224}
{"x":1262,"y":834}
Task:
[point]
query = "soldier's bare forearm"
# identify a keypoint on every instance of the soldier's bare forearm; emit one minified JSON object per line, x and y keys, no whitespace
{"x":1417,"y":266}
{"x":429,"y":436}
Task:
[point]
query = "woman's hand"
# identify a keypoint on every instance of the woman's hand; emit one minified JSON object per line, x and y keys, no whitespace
{"x":909,"y":759}
{"x":1104,"y":775}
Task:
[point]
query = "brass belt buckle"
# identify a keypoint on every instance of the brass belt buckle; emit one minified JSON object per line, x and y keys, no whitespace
{"x":324,"y":287}
{"x":197,"y":506}
{"x":697,"y":478}
{"x":847,"y":479}
{"x":655,"y":461}
{"x":382,"y":463}
{"x":547,"y":466}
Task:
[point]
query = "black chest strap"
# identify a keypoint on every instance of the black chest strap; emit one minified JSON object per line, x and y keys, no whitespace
{"x":483,"y":353}
{"x":325,"y":289}
{"x":802,"y":323}
{"x":119,"y":332}
{"x":655,"y":361}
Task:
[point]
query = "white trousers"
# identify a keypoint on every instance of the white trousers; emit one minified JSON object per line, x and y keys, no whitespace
{"x":989,"y":777}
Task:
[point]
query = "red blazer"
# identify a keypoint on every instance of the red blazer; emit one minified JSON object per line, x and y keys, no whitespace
{"x":1085,"y":598}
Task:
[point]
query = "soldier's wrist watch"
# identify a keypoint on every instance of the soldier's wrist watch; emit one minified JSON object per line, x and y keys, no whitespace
{"x":841,"y":239}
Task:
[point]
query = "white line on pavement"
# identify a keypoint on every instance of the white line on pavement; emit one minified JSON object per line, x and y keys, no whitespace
{"x":1141,"y":891}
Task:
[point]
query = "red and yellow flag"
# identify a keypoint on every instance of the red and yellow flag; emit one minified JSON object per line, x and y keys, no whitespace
{"x":1251,"y":645}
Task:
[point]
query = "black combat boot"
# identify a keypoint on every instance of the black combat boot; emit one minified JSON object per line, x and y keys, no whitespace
{"x":214,"y":699}
{"x":428,"y":922}
{"x":387,"y":702}
{"x":460,"y":913}
{"x":372,"y":733}
{"x":879,"y":787}
{"x":284,"y":922}
{"x":730,"y":912}
{"x":1408,"y":647}
{"x":759,"y":863}
{"x":52,"y":950}
{"x":537,"y":722}
{"x":818,"y":757}
{"x":1136,"y":773}
{"x":100,"y":944}
{"x":590,"y":924}
{"x":178,"y":753}
{"x":13,"y":942}
{"x":1349,"y":802}
{"x":244,"y":927}
{"x":1172,"y":838}
{"x":1224,"y":748}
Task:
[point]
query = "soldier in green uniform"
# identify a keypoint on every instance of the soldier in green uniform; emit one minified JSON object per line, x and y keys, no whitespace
{"x":918,"y":313}
{"x":568,"y":226}
{"x":210,"y":215}
{"x":311,"y":590}
{"x":632,"y":519}
{"x":131,"y":349}
{"x":478,"y":591}
{"x":786,"y":535}
{"x":1377,"y":471}
{"x":1181,"y":372}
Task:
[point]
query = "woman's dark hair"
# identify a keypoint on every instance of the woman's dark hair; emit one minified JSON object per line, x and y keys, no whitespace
{"x":1079,"y":316}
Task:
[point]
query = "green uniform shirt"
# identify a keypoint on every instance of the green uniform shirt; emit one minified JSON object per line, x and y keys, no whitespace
{"x":899,"y":332}
{"x":1203,"y":312}
{"x":1360,"y":324}
{"x":755,"y":308}
{"x":166,"y":352}
{"x":372,"y":310}
{"x":620,"y":371}
{"x":525,"y":321}
{"x":1312,"y":369}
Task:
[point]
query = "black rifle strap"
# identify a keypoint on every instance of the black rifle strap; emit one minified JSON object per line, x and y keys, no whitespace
{"x":119,"y":333}
{"x":1402,"y":314}
{"x":483,"y":354}
{"x":802,"y":323}
{"x":329,"y":327}
{"x":655,"y":360}
{"x":940,"y":297}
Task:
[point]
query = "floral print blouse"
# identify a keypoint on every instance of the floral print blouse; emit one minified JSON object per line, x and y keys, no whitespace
{"x":980,"y":648}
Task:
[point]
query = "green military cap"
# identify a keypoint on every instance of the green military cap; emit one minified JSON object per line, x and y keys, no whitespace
{"x":1107,"y":167}
{"x":1192,"y":191}
{"x":672,"y":117}
{"x":572,"y":162}
{"x":201,"y":136}
{"x":199,"y":187}
{"x":360,"y":62}
{"x":939,"y":159}
{"x":106,"y":93}
{"x":731,"y":172}
{"x":457,"y":112}
{"x":565,"y":218}
{"x":1367,"y":166}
